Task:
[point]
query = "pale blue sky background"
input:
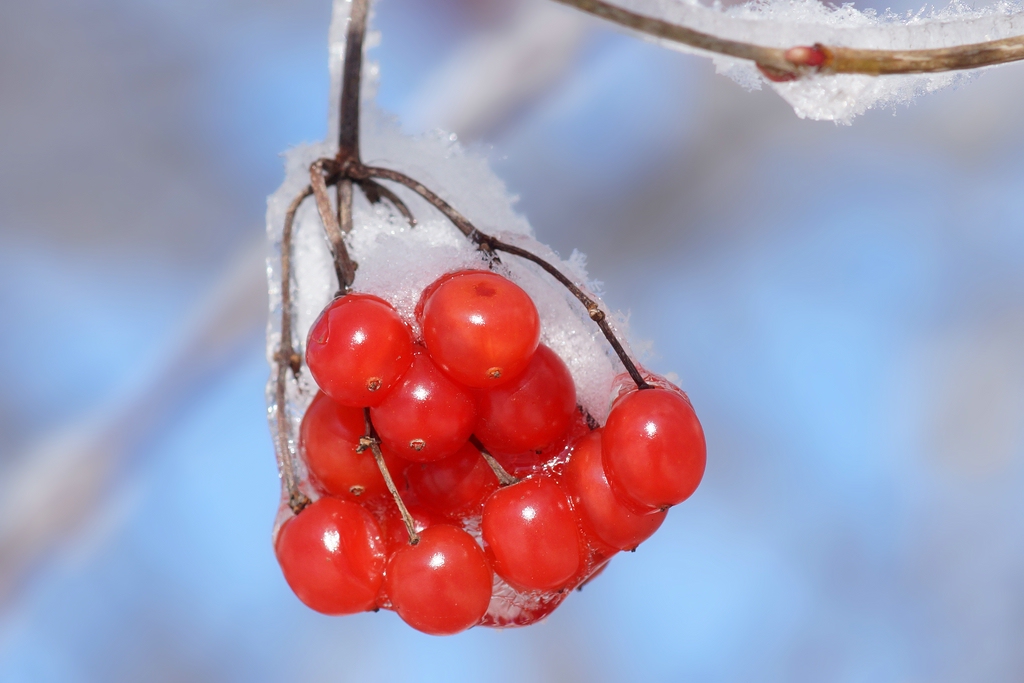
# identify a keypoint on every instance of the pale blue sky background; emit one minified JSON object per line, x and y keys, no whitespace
{"x":845,"y":307}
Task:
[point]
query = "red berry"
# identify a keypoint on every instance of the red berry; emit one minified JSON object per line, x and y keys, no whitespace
{"x":600,"y":510}
{"x":358,"y":349}
{"x":332,"y":556}
{"x":480,"y":328}
{"x":441,"y":585}
{"x":653,"y":449}
{"x":530,"y":412}
{"x":455,"y":485}
{"x":531,"y":533}
{"x":426,"y":416}
{"x":330,"y":436}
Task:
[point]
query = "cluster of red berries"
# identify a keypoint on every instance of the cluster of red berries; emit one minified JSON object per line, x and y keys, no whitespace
{"x":490,"y":554}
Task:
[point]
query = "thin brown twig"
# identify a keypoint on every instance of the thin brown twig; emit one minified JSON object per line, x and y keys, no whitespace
{"x":461,"y":222}
{"x":345,"y":207}
{"x":593,"y":310}
{"x":372,"y":441}
{"x":769,"y":56}
{"x":504,"y":478}
{"x":829,"y":59}
{"x":344,"y":267}
{"x":492,"y":244}
{"x":287,"y":359}
{"x":352,"y":69}
{"x":850,"y":60}
{"x":374,"y":191}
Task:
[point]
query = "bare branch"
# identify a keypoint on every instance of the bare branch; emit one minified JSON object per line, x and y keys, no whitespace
{"x":770,"y":56}
{"x":348,"y":130}
{"x":783,"y":64}
{"x":877,"y":62}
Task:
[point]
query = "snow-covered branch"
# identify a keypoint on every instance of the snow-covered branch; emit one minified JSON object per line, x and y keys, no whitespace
{"x":780,"y":63}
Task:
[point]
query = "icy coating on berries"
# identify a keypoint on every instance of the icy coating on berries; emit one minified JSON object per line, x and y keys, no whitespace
{"x":396,"y":262}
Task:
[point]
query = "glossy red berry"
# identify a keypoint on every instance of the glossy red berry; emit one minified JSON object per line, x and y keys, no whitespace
{"x":602,"y":513}
{"x":455,"y":485}
{"x":358,"y":349}
{"x":441,"y":585}
{"x":332,"y":556}
{"x":329,"y":438}
{"x":480,"y":328}
{"x":653,"y":448}
{"x":426,"y":416}
{"x":531,"y":534}
{"x":530,"y":412}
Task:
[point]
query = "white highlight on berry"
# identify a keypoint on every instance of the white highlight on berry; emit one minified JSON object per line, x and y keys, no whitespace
{"x":437,"y":560}
{"x":332,"y":540}
{"x":529,"y":513}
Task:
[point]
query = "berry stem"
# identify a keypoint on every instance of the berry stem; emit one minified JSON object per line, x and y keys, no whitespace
{"x":504,"y":478}
{"x":344,"y":196}
{"x":344,"y":266}
{"x":374,"y":192}
{"x":287,"y":359}
{"x":593,"y":310}
{"x":358,"y":170}
{"x":492,"y":244}
{"x":372,"y":441}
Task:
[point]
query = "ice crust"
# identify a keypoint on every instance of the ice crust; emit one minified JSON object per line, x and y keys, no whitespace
{"x":396,"y":261}
{"x":840,"y":98}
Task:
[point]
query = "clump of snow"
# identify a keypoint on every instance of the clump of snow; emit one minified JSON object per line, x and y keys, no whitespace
{"x":788,"y":23}
{"x":397,"y":261}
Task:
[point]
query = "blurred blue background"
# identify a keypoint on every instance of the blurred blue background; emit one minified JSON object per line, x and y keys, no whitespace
{"x":844,"y":305}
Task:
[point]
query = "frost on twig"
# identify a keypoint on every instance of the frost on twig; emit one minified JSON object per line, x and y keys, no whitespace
{"x":761,"y":32}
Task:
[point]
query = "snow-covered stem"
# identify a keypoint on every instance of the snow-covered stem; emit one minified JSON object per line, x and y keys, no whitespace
{"x":492,"y":244}
{"x":344,"y":267}
{"x":374,"y":192}
{"x":287,"y":359}
{"x":825,"y":59}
